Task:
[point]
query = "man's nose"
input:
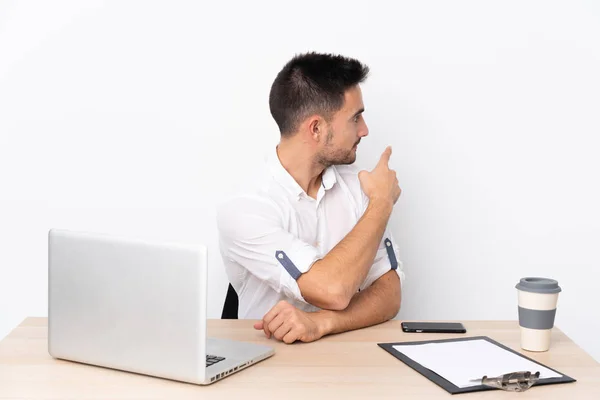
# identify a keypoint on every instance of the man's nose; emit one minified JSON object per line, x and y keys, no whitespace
{"x":364,"y":132}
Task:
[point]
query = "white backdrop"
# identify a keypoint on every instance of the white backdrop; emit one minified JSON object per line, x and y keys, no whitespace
{"x":136,"y":118}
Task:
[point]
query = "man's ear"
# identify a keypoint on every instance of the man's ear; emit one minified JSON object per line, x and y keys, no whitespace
{"x":316,"y":128}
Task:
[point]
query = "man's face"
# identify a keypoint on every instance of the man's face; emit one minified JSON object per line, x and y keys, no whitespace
{"x":345,"y":131}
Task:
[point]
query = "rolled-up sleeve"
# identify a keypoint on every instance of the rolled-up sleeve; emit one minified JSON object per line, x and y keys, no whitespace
{"x":387,"y":257}
{"x":251,"y":234}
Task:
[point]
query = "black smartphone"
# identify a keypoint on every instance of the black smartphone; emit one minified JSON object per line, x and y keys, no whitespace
{"x":433,"y":327}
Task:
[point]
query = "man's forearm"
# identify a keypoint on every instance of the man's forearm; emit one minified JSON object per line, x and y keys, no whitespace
{"x":332,"y":281}
{"x":376,"y":304}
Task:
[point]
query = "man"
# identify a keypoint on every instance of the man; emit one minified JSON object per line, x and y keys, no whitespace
{"x":309,"y":252}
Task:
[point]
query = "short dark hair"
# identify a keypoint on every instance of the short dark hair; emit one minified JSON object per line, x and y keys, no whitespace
{"x":312,"y":83}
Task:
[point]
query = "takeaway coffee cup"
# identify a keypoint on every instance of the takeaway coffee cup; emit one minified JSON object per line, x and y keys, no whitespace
{"x":537,"y":309}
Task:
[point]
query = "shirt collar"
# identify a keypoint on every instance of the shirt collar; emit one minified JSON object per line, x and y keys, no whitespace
{"x":283,"y":177}
{"x":329,"y":178}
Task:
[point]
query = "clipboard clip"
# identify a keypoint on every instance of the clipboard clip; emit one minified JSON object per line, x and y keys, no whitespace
{"x":512,"y":382}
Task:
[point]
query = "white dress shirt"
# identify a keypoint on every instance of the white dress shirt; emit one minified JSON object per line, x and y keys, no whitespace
{"x":270,"y":236}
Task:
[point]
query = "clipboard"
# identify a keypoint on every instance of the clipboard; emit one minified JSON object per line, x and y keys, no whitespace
{"x":449,"y":386}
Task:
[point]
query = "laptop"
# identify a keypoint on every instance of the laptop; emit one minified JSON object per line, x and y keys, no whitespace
{"x":136,"y":306}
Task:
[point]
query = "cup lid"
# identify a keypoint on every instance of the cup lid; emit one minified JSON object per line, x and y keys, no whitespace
{"x":538,"y":285}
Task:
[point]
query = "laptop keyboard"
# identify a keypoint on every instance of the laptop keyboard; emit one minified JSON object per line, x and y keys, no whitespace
{"x":212,"y":360}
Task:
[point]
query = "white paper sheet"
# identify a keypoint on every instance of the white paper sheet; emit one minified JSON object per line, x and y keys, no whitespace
{"x":459,"y":362}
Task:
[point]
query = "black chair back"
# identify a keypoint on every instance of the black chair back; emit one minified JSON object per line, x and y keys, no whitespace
{"x":230,"y":308}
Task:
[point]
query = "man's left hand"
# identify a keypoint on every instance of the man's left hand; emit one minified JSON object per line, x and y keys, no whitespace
{"x":287,"y":323}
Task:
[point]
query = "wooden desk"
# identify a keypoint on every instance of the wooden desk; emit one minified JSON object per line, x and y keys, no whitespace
{"x":344,"y":366}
